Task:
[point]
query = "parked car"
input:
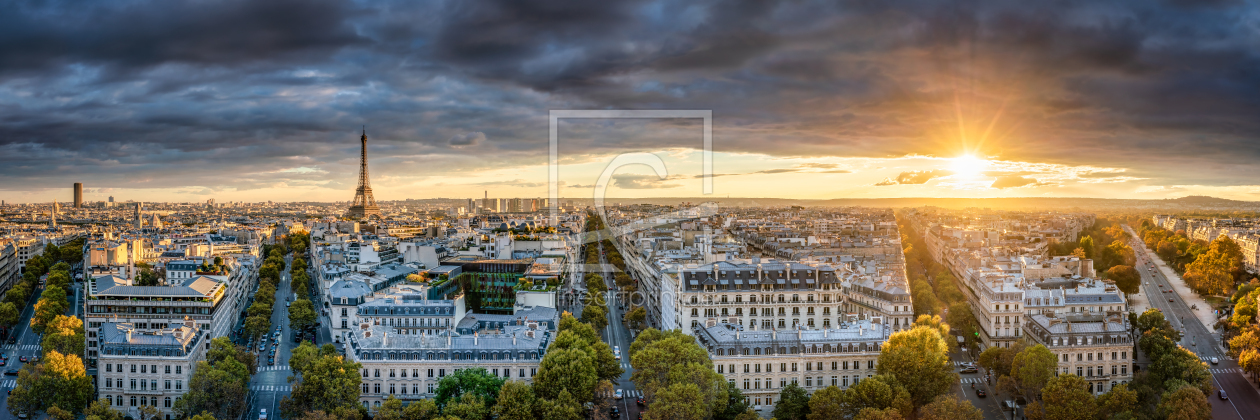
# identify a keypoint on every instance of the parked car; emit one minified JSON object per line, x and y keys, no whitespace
{"x":271,"y":361}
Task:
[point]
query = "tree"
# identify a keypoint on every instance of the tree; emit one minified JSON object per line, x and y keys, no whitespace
{"x":1067,"y":397}
{"x":1185,"y":403}
{"x":878,"y":392}
{"x":602,"y":403}
{"x":468,"y":407}
{"x":420,"y":410}
{"x":992,"y":359}
{"x":1126,"y":278}
{"x":329,"y":383}
{"x":8,"y":314}
{"x":636,"y":317}
{"x":563,"y":407}
{"x":949,"y":407}
{"x":476,"y":381}
{"x":876,"y":414}
{"x":736,"y":405}
{"x":51,"y":304}
{"x":570,"y":370}
{"x":1119,"y":402}
{"x":222,"y":348}
{"x":679,"y":401}
{"x":516,"y":402}
{"x":661,"y":359}
{"x":56,"y":413}
{"x":59,"y":381}
{"x":1180,"y":364}
{"x":391,"y":409}
{"x":257,"y":326}
{"x":220,"y":389}
{"x":596,"y":316}
{"x":919,"y":360}
{"x":18,"y":295}
{"x":1087,"y":245}
{"x":1250,"y":362}
{"x":205,"y":415}
{"x":99,"y":410}
{"x":793,"y":403}
{"x":64,"y":335}
{"x":1032,"y":369}
{"x":302,"y":315}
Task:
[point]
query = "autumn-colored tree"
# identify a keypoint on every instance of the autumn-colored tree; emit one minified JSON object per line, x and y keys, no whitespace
{"x":1126,"y":277}
{"x":919,"y":360}
{"x":950,"y":407}
{"x":516,"y":401}
{"x":1032,"y":369}
{"x":1118,"y":403}
{"x":1067,"y":397}
{"x":1185,"y":403}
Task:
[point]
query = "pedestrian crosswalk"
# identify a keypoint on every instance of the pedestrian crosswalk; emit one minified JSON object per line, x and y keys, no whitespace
{"x":271,"y":368}
{"x":12,"y":383}
{"x":626,"y":393}
{"x":1226,"y":370}
{"x":625,"y":366}
{"x":971,"y":380}
{"x":273,"y":388}
{"x":22,"y":347}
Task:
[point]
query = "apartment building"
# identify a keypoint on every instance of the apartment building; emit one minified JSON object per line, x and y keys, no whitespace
{"x":148,"y":368}
{"x":762,"y":363}
{"x":112,"y":297}
{"x":1095,"y":346}
{"x":787,"y":295}
{"x":10,"y":268}
{"x":409,"y":366}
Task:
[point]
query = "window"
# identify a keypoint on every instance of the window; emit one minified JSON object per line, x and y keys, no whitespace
{"x":133,"y":401}
{"x":167,"y":384}
{"x":721,"y":368}
{"x":809,"y":381}
{"x":745,"y":368}
{"x":168,"y":402}
{"x":144,"y":370}
{"x":179,"y":385}
{"x":391,"y":389}
{"x":365,"y":388}
{"x":430,"y":373}
{"x":179,"y":370}
{"x":1080,"y":371}
{"x":833,"y":380}
{"x":376,"y":388}
{"x":376,"y":373}
{"x":133,"y":384}
{"x":168,"y":369}
{"x":133,"y":368}
{"x":153,"y":368}
{"x":109,"y":368}
{"x":391,"y":374}
{"x":109,"y":382}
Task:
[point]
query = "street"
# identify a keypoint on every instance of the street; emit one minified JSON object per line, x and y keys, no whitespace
{"x":28,"y":344}
{"x":271,"y":383}
{"x":618,"y":336}
{"x":1243,"y":397}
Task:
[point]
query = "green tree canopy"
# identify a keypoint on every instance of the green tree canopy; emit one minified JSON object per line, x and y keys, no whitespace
{"x":476,"y":381}
{"x":793,"y":403}
{"x":949,"y":407}
{"x":515,"y":402}
{"x":329,"y":383}
{"x":1067,"y":397}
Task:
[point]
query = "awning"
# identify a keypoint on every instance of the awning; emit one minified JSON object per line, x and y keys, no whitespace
{"x":739,"y":280}
{"x":694,"y":283}
{"x":796,"y":281}
{"x":809,"y":280}
{"x":724,"y":281}
{"x":780,"y":281}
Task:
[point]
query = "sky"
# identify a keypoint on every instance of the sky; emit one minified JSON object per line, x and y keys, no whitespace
{"x":252,"y":101}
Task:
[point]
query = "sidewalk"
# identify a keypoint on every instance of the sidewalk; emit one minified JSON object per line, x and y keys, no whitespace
{"x":1204,"y":313}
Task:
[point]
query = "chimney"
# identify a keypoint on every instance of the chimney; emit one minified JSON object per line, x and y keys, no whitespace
{"x":475,"y":338}
{"x":774,"y":334}
{"x":861,"y":329}
{"x":826,"y":332}
{"x":513,"y":339}
{"x":384,"y":339}
{"x":448,"y":338}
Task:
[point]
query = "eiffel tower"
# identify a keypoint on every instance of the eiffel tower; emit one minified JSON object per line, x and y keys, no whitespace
{"x":364,"y":204}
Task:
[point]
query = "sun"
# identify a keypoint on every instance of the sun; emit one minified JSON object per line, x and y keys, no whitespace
{"x":968,"y":165}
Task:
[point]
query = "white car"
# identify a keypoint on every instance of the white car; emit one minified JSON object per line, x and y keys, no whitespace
{"x":1215,"y":360}
{"x":262,"y":414}
{"x":617,"y":352}
{"x":617,"y":394}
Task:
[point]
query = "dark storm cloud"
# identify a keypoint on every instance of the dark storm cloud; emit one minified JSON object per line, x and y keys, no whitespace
{"x":234,"y":93}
